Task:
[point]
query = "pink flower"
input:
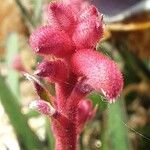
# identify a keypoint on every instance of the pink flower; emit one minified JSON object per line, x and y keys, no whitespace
{"x":70,"y":60}
{"x":101,"y":73}
{"x":51,"y":41}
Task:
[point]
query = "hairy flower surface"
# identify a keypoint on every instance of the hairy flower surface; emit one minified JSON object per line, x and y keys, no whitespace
{"x":67,"y":45}
{"x":51,"y":41}
{"x":101,"y":72}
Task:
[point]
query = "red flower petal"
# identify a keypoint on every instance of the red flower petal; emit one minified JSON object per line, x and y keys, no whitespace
{"x":88,"y":33}
{"x":55,"y":71}
{"x":60,"y":15}
{"x":51,"y":41}
{"x":88,"y":12}
{"x":101,"y":72}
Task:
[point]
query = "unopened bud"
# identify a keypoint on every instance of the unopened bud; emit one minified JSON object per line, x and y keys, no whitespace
{"x":43,"y":107}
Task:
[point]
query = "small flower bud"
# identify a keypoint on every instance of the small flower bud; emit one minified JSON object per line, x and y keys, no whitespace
{"x":84,"y":109}
{"x":42,"y":107}
{"x":17,"y":64}
{"x":85,"y":113}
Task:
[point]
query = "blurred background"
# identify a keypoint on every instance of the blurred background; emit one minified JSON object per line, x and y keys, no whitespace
{"x":124,"y":125}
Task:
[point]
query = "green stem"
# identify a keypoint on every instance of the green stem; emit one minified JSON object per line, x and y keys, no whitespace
{"x":26,"y":15}
{"x":105,"y":135}
{"x":37,"y":11}
{"x":118,"y":133}
{"x":12,"y":48}
{"x":50,"y":137}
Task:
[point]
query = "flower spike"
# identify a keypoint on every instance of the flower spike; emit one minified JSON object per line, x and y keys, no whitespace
{"x":71,"y":62}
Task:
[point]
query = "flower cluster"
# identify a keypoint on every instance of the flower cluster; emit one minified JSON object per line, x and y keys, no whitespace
{"x":70,"y":60}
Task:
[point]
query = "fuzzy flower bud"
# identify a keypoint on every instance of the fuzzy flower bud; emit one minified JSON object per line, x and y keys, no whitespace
{"x":85,"y":112}
{"x":42,"y":107}
{"x":17,"y":64}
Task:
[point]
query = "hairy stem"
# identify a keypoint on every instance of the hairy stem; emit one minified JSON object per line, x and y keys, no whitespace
{"x":65,"y":135}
